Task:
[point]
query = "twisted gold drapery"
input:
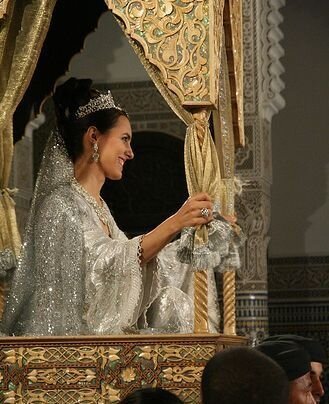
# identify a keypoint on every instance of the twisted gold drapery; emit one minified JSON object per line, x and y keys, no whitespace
{"x":23,"y":30}
{"x":202,"y":175}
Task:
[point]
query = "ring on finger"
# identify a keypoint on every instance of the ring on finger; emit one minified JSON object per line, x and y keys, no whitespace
{"x":204,"y":212}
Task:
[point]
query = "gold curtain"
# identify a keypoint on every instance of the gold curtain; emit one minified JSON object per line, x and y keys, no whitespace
{"x":23,"y":30}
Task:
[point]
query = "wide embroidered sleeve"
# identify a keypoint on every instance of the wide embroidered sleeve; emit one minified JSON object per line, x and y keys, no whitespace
{"x":114,"y":284}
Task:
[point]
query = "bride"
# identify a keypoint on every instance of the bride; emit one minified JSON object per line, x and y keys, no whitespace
{"x":78,"y":273}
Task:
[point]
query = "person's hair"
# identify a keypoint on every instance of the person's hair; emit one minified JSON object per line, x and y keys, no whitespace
{"x":151,"y":395}
{"x":68,"y":97}
{"x":312,"y":347}
{"x":243,"y":375}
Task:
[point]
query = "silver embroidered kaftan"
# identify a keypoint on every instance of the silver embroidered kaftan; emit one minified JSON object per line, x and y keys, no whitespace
{"x":74,"y":279}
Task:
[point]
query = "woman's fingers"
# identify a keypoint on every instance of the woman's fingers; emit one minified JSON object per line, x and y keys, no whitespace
{"x":198,"y":210}
{"x":198,"y":221}
{"x":202,"y":196}
{"x":196,"y":204}
{"x":201,"y":215}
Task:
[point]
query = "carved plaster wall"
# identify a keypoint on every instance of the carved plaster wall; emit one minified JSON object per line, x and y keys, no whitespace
{"x":22,"y":177}
{"x":262,"y":99}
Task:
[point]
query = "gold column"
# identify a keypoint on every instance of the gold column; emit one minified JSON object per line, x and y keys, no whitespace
{"x":201,"y":302}
{"x":229,"y":302}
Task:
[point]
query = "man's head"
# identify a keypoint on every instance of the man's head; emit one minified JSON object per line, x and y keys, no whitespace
{"x":317,"y":355}
{"x":295,"y":361}
{"x":243,"y":375}
{"x":316,"y":377}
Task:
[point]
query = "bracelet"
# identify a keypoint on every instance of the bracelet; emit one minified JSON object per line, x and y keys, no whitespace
{"x":140,"y":249}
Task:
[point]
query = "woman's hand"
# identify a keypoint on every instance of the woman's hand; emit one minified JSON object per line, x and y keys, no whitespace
{"x":197,"y":210}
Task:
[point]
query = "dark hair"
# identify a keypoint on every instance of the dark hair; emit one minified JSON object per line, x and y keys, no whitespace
{"x":151,"y":395}
{"x":312,"y":347}
{"x":243,"y":375}
{"x":292,"y":358}
{"x":68,"y":97}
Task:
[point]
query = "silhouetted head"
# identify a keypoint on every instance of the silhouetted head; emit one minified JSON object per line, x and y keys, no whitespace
{"x":243,"y":375}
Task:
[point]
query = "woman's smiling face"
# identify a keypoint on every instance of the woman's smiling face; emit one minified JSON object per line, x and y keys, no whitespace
{"x":115,"y":148}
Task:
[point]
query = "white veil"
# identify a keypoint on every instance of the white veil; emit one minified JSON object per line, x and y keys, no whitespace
{"x":56,"y":169}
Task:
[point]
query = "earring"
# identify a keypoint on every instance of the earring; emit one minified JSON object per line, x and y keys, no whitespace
{"x":95,"y":155}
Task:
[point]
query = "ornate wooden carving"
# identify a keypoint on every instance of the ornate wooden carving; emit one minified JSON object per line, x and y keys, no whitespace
{"x":104,"y":369}
{"x":182,"y":39}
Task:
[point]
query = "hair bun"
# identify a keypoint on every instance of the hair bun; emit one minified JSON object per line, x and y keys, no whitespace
{"x":69,"y":96}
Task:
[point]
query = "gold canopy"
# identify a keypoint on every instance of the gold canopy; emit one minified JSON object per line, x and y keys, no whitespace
{"x":192,"y":50}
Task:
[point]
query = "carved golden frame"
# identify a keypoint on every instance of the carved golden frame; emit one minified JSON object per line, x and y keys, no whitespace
{"x":183,"y":40}
{"x":180,"y":39}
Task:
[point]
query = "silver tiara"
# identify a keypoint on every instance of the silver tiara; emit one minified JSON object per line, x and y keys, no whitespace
{"x":102,"y":101}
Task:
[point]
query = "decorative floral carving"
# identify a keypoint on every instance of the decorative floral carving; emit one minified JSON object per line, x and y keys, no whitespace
{"x":128,"y":375}
{"x":61,"y":376}
{"x":253,"y":212}
{"x":146,"y":352}
{"x":109,"y":395}
{"x":188,"y":374}
{"x":175,"y":36}
{"x":14,"y":397}
{"x":109,"y":354}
